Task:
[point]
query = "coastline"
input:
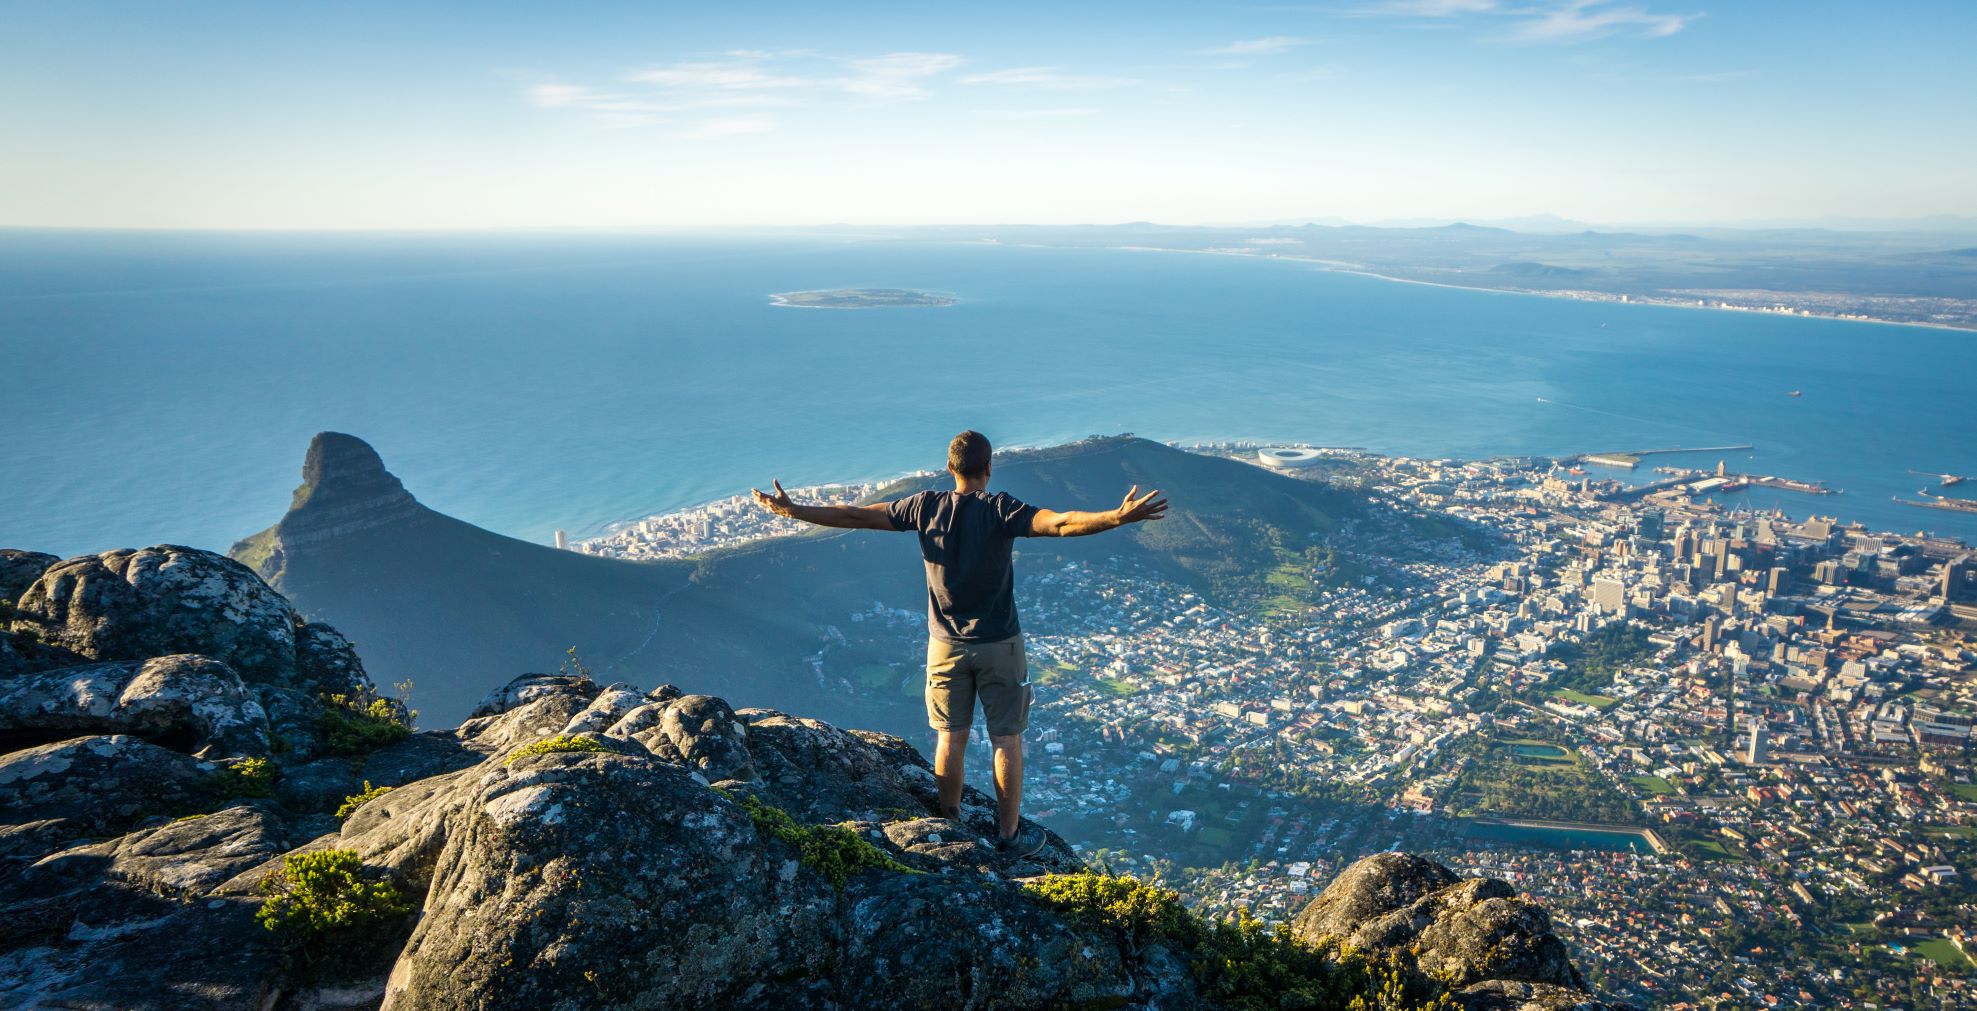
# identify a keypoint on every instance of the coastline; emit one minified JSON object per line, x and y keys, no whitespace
{"x":1337,"y":267}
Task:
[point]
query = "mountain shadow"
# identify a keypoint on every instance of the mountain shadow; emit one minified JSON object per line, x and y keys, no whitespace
{"x":458,"y":609}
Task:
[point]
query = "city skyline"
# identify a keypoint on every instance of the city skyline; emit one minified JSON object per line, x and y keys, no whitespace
{"x":442,"y":116}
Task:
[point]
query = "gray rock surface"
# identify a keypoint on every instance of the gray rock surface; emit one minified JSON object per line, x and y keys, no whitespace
{"x":1467,"y":931}
{"x":555,"y":868}
{"x":18,"y":571}
{"x":528,"y":688}
{"x":184,"y":858}
{"x":95,"y":786}
{"x":136,"y":605}
{"x":197,"y":705}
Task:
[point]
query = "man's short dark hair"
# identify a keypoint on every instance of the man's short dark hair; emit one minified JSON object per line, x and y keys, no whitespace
{"x":968,"y":454}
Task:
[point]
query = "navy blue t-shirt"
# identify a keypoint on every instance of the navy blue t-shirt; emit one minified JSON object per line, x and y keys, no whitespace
{"x":965,"y":538}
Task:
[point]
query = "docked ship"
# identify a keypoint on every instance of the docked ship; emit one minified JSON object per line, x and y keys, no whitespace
{"x":1955,"y":505}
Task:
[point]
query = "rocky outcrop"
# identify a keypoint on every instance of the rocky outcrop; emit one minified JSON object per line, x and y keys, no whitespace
{"x":136,"y":605}
{"x":18,"y":571}
{"x":198,"y":705}
{"x":571,"y":845}
{"x":94,"y":786}
{"x":1494,"y":947}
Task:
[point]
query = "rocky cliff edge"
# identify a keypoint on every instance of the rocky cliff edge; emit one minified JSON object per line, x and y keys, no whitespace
{"x":205,"y":804}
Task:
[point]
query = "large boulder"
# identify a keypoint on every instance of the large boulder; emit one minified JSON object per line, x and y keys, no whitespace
{"x":184,"y":858}
{"x":206,"y":956}
{"x":188,"y":703}
{"x":1463,"y":931}
{"x":93,"y":786}
{"x":557,"y":868}
{"x":530,"y":687}
{"x":18,"y":571}
{"x":158,"y":601}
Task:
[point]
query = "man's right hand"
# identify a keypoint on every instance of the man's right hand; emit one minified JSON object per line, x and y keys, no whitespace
{"x":1137,"y":507}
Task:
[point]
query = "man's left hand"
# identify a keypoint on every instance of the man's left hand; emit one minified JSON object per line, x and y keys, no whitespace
{"x":778,"y":503}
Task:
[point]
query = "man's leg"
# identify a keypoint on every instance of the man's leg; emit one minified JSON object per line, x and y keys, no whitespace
{"x":1005,"y":689}
{"x":950,"y":711}
{"x":1008,"y":782}
{"x":949,"y":752}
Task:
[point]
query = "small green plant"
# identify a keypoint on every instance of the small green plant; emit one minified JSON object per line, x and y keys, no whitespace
{"x":328,"y":891}
{"x":574,"y":665}
{"x":357,"y":800}
{"x":561,"y":742}
{"x":353,"y":726}
{"x":1241,"y":962}
{"x":1139,"y":912}
{"x":835,"y":852}
{"x":251,"y":777}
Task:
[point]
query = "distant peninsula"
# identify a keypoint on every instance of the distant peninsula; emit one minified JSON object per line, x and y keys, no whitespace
{"x":861,"y":298}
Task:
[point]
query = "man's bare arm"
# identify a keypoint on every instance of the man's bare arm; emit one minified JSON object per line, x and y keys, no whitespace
{"x":1136,"y":508}
{"x":866,"y":517}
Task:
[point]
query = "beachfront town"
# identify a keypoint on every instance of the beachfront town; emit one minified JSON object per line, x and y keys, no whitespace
{"x":1729,"y":751}
{"x":721,"y":524}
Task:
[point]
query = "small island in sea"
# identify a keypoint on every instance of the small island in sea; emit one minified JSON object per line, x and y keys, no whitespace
{"x":861,"y":298}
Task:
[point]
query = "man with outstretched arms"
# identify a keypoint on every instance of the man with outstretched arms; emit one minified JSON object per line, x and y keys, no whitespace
{"x":974,"y":645}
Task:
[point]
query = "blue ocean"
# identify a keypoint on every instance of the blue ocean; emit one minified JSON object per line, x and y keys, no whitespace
{"x":161,"y":387}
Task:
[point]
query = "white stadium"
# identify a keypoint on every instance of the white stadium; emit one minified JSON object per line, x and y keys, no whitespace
{"x":1287,"y":457}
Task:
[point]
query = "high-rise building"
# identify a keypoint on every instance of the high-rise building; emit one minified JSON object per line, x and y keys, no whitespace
{"x":562,"y":541}
{"x":1953,"y":586}
{"x":1610,"y":595}
{"x":1759,"y":751}
{"x":1780,"y":578}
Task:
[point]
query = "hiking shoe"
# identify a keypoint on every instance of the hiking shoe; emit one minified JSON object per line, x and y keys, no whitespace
{"x":1027,"y":842}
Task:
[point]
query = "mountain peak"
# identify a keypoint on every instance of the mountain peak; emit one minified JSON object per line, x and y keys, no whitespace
{"x":345,"y":488}
{"x":342,"y":469}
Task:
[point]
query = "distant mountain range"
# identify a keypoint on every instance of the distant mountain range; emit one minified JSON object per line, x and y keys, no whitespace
{"x":460,"y":610}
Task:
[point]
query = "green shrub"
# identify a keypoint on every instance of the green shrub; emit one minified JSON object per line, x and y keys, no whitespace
{"x":559,"y":743}
{"x":1138,"y":912}
{"x":1241,"y":963}
{"x":251,"y":777}
{"x":357,"y":800}
{"x":836,"y":853}
{"x":353,"y":726}
{"x":328,"y":891}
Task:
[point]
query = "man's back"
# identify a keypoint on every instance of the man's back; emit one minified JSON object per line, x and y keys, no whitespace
{"x":975,"y":649}
{"x":966,"y":540}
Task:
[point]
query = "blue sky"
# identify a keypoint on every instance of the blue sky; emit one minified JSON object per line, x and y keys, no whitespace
{"x":410,"y":115}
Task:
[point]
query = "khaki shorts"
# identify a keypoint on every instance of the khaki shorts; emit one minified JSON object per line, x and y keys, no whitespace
{"x":997,"y":671}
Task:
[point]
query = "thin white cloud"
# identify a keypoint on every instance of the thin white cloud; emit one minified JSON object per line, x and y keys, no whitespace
{"x":1583,"y":20}
{"x":1025,"y":114}
{"x":1558,"y":21}
{"x":729,"y":127}
{"x":751,"y":78}
{"x":1269,"y":46}
{"x":1046,"y":77}
{"x":1716,"y":77}
{"x":889,"y":77}
{"x":897,"y":76}
{"x":1426,"y":8}
{"x":558,"y":96}
{"x":610,"y":108}
{"x":716,"y":75}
